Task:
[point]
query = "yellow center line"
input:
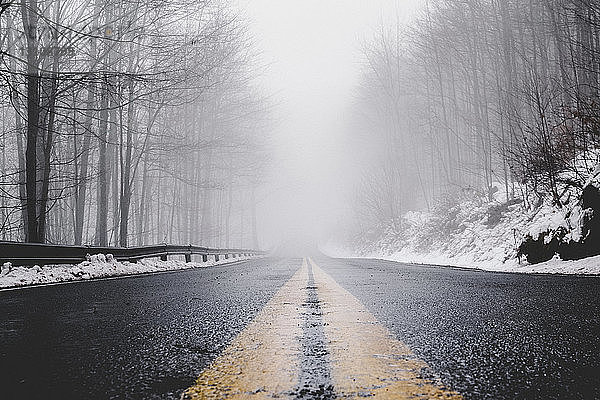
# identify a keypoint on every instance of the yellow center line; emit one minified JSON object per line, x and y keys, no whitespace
{"x":263,"y":361}
{"x":366,"y":360}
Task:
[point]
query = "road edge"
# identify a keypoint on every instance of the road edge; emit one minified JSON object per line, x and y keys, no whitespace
{"x":124,"y":276}
{"x":474,"y":269}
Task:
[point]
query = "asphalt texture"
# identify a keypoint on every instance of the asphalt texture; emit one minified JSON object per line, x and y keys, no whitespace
{"x":315,"y":375}
{"x":486,"y":335}
{"x":145,"y":337}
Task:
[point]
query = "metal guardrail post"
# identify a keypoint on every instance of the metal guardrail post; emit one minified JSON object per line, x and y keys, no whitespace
{"x":188,"y":255}
{"x":164,"y":256}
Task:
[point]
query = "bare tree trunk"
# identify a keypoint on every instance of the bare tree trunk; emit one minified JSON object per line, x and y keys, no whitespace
{"x":125,"y":159}
{"x":29,"y":13}
{"x":16,"y":103}
{"x":102,"y":199}
{"x":143,"y":200}
{"x":254,"y":225}
{"x":82,"y":179}
{"x":228,"y":216}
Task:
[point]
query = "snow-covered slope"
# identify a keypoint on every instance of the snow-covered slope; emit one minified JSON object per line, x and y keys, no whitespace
{"x":475,"y":233}
{"x":470,"y":234}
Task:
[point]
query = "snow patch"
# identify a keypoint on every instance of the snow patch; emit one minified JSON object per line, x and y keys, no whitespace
{"x":98,"y":266}
{"x":473,"y":234}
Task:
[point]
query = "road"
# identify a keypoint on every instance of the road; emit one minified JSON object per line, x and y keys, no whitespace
{"x":304,"y":328}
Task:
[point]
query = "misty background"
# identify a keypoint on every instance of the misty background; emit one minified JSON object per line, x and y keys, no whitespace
{"x":377,"y":127}
{"x":313,"y":52}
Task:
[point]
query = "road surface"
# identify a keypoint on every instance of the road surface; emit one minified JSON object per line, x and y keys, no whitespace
{"x":304,"y":328}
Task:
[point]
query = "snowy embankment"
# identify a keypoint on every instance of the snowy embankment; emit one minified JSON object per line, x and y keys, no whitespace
{"x":99,"y":266}
{"x":466,"y":230}
{"x":483,"y":236}
{"x":586,"y":266}
{"x":477,"y":234}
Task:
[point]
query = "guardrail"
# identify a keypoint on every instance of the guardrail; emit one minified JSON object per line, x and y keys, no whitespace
{"x":42,"y":254}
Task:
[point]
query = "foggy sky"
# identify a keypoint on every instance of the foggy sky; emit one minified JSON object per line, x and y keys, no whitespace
{"x":312,"y":50}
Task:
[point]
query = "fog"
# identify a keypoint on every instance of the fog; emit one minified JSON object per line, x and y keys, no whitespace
{"x":312,"y":50}
{"x":373,"y":126}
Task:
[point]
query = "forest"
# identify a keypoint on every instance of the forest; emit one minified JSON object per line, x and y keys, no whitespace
{"x":478,"y":98}
{"x":129,"y":122}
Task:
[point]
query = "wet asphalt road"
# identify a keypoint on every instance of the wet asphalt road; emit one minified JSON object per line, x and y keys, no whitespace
{"x":487,"y":335}
{"x":144,"y":337}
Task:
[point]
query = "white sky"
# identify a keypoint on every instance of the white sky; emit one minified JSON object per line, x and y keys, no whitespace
{"x":312,"y":48}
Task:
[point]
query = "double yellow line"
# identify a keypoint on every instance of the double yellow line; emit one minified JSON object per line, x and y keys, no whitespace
{"x":365,"y":360}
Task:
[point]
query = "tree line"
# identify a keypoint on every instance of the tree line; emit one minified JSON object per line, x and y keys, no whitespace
{"x":479,"y":96}
{"x":128,"y":122}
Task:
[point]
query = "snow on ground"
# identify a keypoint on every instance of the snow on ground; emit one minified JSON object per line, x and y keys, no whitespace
{"x":472,"y":234}
{"x":466,"y":229}
{"x":586,"y":266}
{"x":99,"y":266}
